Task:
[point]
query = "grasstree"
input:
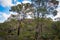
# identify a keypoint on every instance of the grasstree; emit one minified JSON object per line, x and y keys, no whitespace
{"x":43,"y":9}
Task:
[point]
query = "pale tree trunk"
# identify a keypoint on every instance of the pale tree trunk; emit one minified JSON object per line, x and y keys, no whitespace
{"x":19,"y":24}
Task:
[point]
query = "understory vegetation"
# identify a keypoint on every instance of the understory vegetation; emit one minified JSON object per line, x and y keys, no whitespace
{"x":38,"y":27}
{"x":50,"y":30}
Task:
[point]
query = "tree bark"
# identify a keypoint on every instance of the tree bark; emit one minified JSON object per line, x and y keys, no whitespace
{"x":19,"y":26}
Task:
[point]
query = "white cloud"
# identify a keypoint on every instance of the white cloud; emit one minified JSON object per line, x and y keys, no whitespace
{"x":18,"y":2}
{"x":14,"y":13}
{"x":8,"y":15}
{"x":5,"y":16}
{"x":26,"y":1}
{"x":2,"y":17}
{"x":5,"y":3}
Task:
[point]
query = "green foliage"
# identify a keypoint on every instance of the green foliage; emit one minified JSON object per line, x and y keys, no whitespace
{"x":16,"y":8}
{"x":41,"y":9}
{"x":29,"y":27}
{"x":27,"y":31}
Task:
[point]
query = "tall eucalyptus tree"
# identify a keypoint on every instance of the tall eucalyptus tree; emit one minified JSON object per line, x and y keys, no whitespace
{"x":21,"y":9}
{"x":44,"y":7}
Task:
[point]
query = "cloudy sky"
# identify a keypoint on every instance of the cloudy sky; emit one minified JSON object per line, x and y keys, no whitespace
{"x":6,"y":4}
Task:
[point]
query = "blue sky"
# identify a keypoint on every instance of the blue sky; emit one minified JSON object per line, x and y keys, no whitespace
{"x":6,"y":4}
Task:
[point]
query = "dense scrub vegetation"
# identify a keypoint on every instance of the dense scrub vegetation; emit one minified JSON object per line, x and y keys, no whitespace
{"x":50,"y":30}
{"x":39,"y":27}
